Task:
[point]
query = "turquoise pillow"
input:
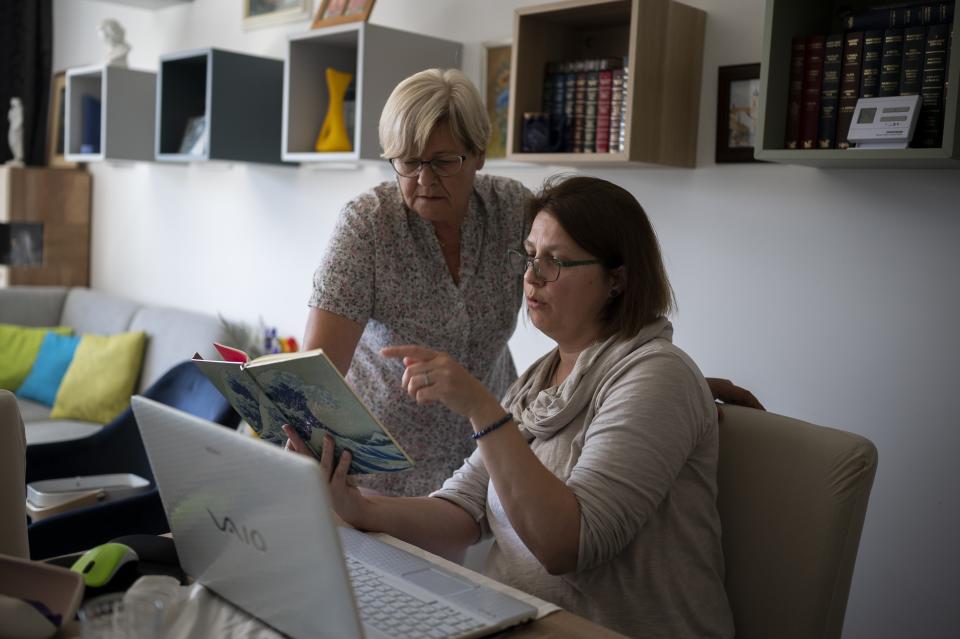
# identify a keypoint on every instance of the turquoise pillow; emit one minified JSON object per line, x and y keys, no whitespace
{"x":53,"y":359}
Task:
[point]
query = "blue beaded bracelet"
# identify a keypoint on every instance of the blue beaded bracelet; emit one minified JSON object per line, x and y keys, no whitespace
{"x":492,"y":427}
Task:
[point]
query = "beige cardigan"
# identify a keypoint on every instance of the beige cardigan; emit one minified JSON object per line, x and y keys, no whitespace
{"x":633,"y":433}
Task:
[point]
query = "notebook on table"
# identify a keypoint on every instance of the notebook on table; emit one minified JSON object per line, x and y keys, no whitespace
{"x":252,"y":523}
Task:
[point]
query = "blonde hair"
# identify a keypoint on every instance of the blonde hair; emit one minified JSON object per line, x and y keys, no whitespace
{"x":425,"y":99}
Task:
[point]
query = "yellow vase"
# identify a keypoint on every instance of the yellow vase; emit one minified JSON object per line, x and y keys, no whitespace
{"x":333,"y":133}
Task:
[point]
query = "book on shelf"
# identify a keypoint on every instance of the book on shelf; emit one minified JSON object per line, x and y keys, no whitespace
{"x":569,"y":103}
{"x":590,"y":96}
{"x":304,"y":390}
{"x":555,"y":102}
{"x":604,"y":109}
{"x":616,"y":110}
{"x":813,"y":53}
{"x":929,"y":131}
{"x":870,"y":72}
{"x":830,"y":91}
{"x":579,"y":105}
{"x":625,"y":90}
{"x":795,"y":97}
{"x":911,"y":63}
{"x":849,"y":85}
{"x":890,"y":58}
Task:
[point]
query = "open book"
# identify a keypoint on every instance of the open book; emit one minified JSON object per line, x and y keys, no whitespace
{"x":306,"y":391}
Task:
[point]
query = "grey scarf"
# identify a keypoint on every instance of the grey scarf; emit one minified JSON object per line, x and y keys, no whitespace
{"x":543,"y":412}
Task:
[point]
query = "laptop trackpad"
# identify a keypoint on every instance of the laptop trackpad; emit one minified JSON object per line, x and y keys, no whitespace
{"x":437,"y":582}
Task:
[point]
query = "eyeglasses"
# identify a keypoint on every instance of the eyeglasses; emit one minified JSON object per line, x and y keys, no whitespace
{"x":443,"y":166}
{"x":546,"y":269}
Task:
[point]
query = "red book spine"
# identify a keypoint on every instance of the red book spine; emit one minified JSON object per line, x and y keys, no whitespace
{"x":603,"y":110}
{"x":796,"y":93}
{"x":810,"y":100}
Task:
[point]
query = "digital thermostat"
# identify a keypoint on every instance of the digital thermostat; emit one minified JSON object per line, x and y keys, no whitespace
{"x":884,"y":123}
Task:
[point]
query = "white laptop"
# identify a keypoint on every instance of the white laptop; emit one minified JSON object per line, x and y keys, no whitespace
{"x":252,"y":522}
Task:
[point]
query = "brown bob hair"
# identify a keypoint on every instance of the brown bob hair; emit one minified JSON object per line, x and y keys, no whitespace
{"x":608,"y":222}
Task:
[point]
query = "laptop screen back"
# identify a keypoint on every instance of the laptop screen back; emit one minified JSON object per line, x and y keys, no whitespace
{"x":251,"y":522}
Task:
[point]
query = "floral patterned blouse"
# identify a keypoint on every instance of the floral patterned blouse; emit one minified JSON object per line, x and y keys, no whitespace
{"x":384,"y":269}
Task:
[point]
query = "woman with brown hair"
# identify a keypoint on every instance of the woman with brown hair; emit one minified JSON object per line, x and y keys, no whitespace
{"x":596,"y":475}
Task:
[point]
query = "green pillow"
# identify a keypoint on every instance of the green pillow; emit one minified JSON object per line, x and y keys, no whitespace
{"x":19,"y":346}
{"x":101,"y":377}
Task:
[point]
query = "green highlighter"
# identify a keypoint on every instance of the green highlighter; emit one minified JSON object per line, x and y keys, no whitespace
{"x":99,"y":565}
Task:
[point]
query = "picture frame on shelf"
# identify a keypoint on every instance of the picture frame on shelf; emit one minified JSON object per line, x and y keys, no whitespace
{"x":266,"y":13}
{"x":738,"y":95}
{"x":496,"y":93}
{"x":194,"y":136}
{"x":56,"y":135}
{"x":331,"y":12}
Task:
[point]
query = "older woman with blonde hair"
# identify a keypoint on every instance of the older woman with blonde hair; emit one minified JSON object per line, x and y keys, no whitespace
{"x":421,"y":260}
{"x":596,"y":475}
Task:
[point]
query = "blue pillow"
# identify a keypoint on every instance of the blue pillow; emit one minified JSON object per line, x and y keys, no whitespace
{"x":53,"y":359}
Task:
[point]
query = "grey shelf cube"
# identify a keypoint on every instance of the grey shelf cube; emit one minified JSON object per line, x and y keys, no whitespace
{"x":786,"y":19}
{"x":237,"y":98}
{"x":127,"y":104}
{"x":378,"y":57}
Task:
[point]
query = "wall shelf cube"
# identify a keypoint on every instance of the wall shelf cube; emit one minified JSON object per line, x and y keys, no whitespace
{"x":662,"y":42}
{"x":787,"y":19}
{"x":378,"y":57}
{"x":218,"y":105}
{"x":125,"y":125}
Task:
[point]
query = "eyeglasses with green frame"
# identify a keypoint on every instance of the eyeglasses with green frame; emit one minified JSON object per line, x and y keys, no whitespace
{"x":545,"y":269}
{"x":442,"y":165}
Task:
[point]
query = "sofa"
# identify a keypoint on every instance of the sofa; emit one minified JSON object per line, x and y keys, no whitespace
{"x":173,"y":336}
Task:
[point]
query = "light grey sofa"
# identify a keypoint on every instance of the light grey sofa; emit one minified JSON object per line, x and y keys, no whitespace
{"x":172,"y":336}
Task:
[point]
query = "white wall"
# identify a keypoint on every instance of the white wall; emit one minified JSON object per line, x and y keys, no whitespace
{"x":833,"y":295}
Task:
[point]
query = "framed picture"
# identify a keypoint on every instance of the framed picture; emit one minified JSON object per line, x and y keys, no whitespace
{"x":265,"y":13}
{"x":496,"y":94}
{"x":56,"y":140}
{"x":331,"y":12}
{"x":738,"y":94}
{"x":194,"y":137}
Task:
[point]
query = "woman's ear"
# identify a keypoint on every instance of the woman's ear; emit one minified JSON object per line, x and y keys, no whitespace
{"x":618,"y":280}
{"x":481,"y":157}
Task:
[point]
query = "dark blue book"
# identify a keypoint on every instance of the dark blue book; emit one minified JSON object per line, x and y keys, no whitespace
{"x":90,"y":129}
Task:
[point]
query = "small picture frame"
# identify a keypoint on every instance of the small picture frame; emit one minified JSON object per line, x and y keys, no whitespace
{"x":266,"y":13}
{"x":56,"y":136}
{"x":331,"y":12}
{"x":496,"y":94}
{"x":738,"y":93}
{"x":194,"y":141}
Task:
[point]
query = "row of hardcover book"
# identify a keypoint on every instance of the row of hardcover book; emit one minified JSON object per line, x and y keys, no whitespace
{"x":886,"y":52}
{"x":586,"y":101}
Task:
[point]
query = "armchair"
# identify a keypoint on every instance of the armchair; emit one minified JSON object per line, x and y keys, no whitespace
{"x":117,"y":448}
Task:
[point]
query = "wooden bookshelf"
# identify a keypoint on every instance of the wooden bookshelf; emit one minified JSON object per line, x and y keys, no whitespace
{"x":378,"y":57}
{"x":238,"y":95}
{"x":57,"y":202}
{"x":786,"y":19}
{"x":127,"y":102}
{"x":663,"y":43}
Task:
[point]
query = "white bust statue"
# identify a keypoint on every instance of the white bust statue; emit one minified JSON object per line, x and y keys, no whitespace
{"x":112,"y":35}
{"x":15,"y":133}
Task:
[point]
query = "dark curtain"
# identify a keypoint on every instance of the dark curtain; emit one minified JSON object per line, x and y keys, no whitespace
{"x":26,"y":51}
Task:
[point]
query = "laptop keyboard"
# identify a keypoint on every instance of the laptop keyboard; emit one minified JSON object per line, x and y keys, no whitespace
{"x":399,"y":614}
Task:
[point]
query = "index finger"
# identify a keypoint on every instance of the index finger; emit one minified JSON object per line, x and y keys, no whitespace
{"x":418,"y":352}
